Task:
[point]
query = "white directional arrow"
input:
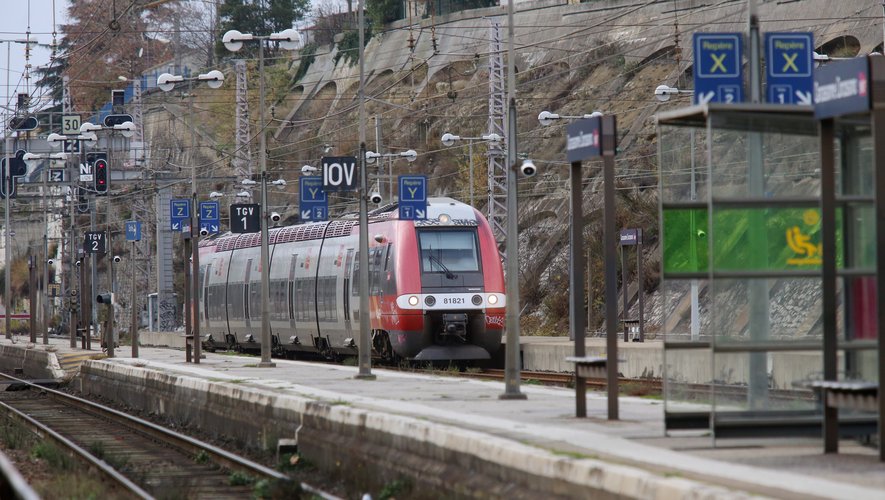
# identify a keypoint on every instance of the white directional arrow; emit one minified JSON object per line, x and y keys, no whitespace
{"x":704,"y":98}
{"x":175,"y":226}
{"x":420,"y":214}
{"x":305,"y":214}
{"x":804,"y":97}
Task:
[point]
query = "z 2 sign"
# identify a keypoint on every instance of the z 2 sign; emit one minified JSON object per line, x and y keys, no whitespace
{"x":339,"y":173}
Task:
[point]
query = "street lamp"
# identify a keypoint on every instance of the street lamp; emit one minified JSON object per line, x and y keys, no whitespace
{"x":127,"y":130}
{"x":449,"y":140}
{"x":46,"y":260}
{"x":214,"y":79}
{"x":664,"y":92}
{"x":576,"y":267}
{"x":288,"y":39}
{"x":88,"y":138}
{"x":410,"y":155}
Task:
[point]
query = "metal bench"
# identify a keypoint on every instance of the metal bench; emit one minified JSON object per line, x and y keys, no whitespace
{"x":850,"y":394}
{"x":588,"y":366}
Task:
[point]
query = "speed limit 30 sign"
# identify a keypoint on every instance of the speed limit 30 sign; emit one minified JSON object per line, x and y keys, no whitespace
{"x":70,"y":124}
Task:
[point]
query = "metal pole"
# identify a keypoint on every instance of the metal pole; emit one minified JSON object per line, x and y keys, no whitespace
{"x":757,"y":392}
{"x":45,"y":263}
{"x":187,"y":299}
{"x":640,"y":287}
{"x":32,"y":298}
{"x":624,"y":290}
{"x":828,"y":274}
{"x":265,"y":253}
{"x":470,"y":153}
{"x":195,"y":239}
{"x":576,"y":284}
{"x":511,"y":359}
{"x":695,"y":325}
{"x":93,"y":276}
{"x":109,"y":334}
{"x":365,"y":344}
{"x":7,"y":299}
{"x":610,"y":242}
{"x":75,"y":316}
{"x":589,"y":292}
{"x":86,"y":302}
{"x":7,"y":293}
{"x":133,"y":328}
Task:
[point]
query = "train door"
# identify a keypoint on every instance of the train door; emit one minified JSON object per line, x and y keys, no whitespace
{"x":207,"y":271}
{"x":348,"y":269}
{"x":247,"y":284}
{"x":292,"y":298}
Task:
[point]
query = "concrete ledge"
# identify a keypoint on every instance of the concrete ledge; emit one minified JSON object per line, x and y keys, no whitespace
{"x":35,"y":360}
{"x":161,"y":339}
{"x":374,"y":448}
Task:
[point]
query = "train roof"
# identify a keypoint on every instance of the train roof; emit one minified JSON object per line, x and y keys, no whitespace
{"x":437,"y":208}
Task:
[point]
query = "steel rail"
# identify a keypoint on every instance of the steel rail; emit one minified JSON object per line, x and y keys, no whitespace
{"x":184,"y":443}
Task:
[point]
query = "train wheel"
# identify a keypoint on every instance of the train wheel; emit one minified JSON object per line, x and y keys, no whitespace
{"x":381,"y":344}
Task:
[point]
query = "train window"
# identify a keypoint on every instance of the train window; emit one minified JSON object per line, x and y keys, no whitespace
{"x":448,"y":251}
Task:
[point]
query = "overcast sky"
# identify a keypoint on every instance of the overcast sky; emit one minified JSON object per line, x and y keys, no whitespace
{"x":14,"y":23}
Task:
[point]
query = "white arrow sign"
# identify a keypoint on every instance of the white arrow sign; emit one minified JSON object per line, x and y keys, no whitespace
{"x":305,"y":214}
{"x":421,"y":214}
{"x":705,"y":98}
{"x":804,"y":97}
{"x":175,"y":226}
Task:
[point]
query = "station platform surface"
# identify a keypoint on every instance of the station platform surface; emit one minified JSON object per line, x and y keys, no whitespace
{"x":779,"y":468}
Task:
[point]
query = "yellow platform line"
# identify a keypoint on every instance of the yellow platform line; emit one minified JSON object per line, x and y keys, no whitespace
{"x":70,"y":362}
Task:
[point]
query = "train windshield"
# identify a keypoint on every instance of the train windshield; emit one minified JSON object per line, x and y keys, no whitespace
{"x":448,"y":251}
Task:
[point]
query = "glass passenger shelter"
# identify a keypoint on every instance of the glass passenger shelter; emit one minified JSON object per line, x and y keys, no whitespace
{"x":769,"y":264}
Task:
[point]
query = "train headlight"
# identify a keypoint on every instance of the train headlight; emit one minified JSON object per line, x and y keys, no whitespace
{"x":430,"y":301}
{"x":444,"y":218}
{"x":493,"y":299}
{"x":476,"y":299}
{"x":413,"y":300}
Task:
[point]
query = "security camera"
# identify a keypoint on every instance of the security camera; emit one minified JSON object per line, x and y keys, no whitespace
{"x":50,"y":262}
{"x":204,"y":231}
{"x":78,"y":263}
{"x":275,"y":217}
{"x":375,"y":197}
{"x":528,"y":168}
{"x":117,"y":258}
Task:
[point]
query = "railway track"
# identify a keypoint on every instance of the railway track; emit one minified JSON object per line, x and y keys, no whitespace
{"x":644,"y":387}
{"x":140,"y":458}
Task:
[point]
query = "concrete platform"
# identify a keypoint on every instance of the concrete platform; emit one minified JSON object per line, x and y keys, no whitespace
{"x":451,"y":436}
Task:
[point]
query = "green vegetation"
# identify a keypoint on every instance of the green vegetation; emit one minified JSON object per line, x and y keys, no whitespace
{"x":202,"y":457}
{"x":395,"y":488}
{"x":54,"y":456}
{"x":238,"y":478}
{"x":348,"y":47}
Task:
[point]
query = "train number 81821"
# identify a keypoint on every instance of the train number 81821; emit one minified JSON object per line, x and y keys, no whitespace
{"x":453,"y":300}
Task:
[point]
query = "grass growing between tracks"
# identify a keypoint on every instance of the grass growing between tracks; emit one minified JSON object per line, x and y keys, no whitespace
{"x":52,"y":472}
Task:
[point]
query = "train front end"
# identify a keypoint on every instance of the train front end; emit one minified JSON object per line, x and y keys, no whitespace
{"x":451,"y":287}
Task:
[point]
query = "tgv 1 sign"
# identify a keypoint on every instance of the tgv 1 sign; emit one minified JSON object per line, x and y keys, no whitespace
{"x":339,"y":173}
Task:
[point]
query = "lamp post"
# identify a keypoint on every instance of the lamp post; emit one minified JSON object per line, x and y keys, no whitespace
{"x":127,"y":129}
{"x":448,"y":140}
{"x":233,"y":41}
{"x":52,"y":157}
{"x":214,"y":79}
{"x":54,"y":139}
{"x":371,"y":156}
{"x":576,"y":263}
{"x":663,"y":93}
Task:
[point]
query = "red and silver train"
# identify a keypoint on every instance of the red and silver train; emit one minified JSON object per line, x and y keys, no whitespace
{"x":436,"y":287}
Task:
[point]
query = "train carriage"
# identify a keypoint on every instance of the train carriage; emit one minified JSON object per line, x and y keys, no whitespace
{"x":436,"y":287}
